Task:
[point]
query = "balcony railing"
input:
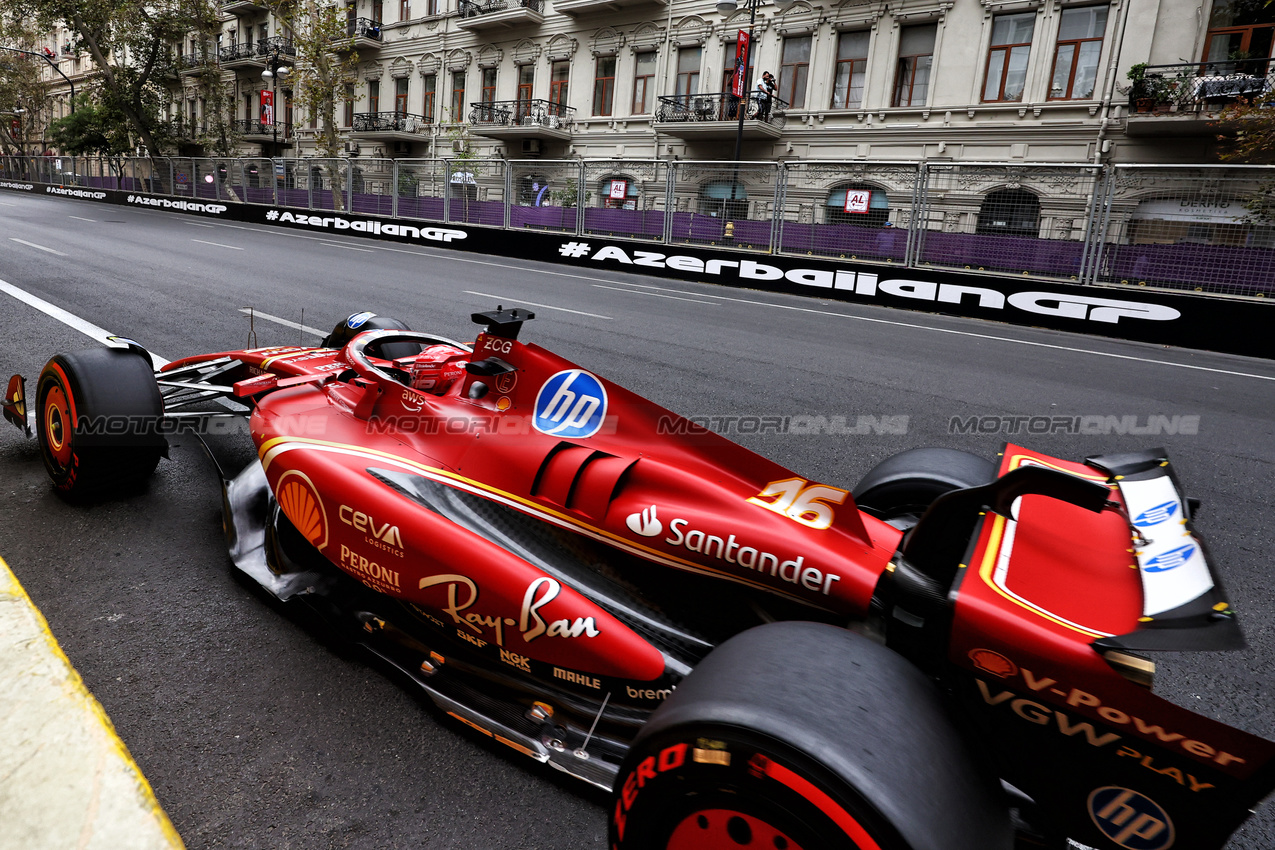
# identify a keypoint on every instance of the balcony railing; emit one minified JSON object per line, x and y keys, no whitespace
{"x":253,"y":127}
{"x":190,"y":61}
{"x":244,"y":50}
{"x":470,"y":8}
{"x":389,"y":122}
{"x":720,"y":106}
{"x":276,"y":45}
{"x":1194,"y":87}
{"x":363,"y":28}
{"x":520,"y":113}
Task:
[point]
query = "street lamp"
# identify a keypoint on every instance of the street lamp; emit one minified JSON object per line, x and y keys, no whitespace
{"x":276,"y":69}
{"x":727,"y":8}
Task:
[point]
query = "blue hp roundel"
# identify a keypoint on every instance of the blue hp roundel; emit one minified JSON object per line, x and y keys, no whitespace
{"x":571,"y":403}
{"x":1156,"y":515}
{"x":1132,"y":820}
{"x":358,"y":320}
{"x":1169,"y":560}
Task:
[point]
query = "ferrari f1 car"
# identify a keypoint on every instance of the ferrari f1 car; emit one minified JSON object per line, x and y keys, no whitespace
{"x":955,"y":656}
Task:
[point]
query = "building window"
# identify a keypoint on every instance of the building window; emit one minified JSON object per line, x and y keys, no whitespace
{"x":688,"y":59}
{"x":526,"y":81}
{"x":1009,"y":212}
{"x":1007,"y":57}
{"x":1240,"y":31}
{"x":431,"y":8}
{"x":404,"y":10}
{"x":723,"y":199}
{"x":643,"y":79}
{"x":604,"y":85}
{"x":852,"y":62}
{"x":348,"y":117}
{"x":427,"y":104}
{"x":458,"y":96}
{"x":247,"y":106}
{"x":1076,"y":56}
{"x":489,"y":85}
{"x":374,"y":96}
{"x":916,"y":57}
{"x":376,"y":11}
{"x":560,"y":75}
{"x":728,"y":65}
{"x":400,"y":96}
{"x":287,"y":108}
{"x":794,"y":71}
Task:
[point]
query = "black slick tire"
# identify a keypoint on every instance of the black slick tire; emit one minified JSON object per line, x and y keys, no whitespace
{"x":902,"y":486}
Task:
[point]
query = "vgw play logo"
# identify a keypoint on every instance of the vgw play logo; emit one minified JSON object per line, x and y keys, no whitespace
{"x":572,"y":403}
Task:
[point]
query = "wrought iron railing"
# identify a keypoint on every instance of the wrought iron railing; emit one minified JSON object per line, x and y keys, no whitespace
{"x":470,"y":8}
{"x":277,"y":45}
{"x":520,"y":113}
{"x":253,"y":127}
{"x":189,"y":61}
{"x":379,"y":122}
{"x":243,"y":50}
{"x":1199,"y":85}
{"x":363,"y":28}
{"x":720,"y":106}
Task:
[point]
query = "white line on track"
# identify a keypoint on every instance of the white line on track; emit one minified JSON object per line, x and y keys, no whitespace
{"x":217,"y":244}
{"x":654,"y":294}
{"x":3,"y":204}
{"x":197,"y":224}
{"x":534,"y":304}
{"x":287,"y":323}
{"x":348,"y":247}
{"x":71,"y":320}
{"x":81,"y":218}
{"x":455,"y":257}
{"x":33,"y":245}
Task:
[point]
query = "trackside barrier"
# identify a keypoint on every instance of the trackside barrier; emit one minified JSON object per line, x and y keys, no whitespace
{"x":1206,"y":229}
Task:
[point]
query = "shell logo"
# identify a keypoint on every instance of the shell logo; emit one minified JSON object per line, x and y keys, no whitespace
{"x":993,"y":662}
{"x":301,"y":504}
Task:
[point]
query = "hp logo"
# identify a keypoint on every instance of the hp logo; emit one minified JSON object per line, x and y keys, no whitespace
{"x":1130,"y":819}
{"x":572,"y":403}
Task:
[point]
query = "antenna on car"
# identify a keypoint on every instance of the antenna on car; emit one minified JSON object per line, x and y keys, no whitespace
{"x":501,"y":322}
{"x":252,"y":330}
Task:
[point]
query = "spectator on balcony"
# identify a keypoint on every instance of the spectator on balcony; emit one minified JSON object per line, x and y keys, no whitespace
{"x":765,"y":93}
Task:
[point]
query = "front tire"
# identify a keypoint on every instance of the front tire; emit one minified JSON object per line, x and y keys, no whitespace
{"x":98,"y":421}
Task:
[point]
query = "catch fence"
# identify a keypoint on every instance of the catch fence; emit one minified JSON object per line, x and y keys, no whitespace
{"x":1201,"y":228}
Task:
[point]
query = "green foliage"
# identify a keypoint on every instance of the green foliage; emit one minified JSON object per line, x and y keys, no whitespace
{"x":95,"y":129}
{"x":1249,"y":136}
{"x":21,"y":86}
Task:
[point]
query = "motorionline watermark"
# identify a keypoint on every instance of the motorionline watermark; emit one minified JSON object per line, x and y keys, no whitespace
{"x":800,"y":424}
{"x":1087,"y":424}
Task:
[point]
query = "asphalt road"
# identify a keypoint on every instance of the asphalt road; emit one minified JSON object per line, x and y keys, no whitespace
{"x":255,"y":732}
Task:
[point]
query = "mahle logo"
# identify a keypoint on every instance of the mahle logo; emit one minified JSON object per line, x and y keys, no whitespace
{"x":572,"y":403}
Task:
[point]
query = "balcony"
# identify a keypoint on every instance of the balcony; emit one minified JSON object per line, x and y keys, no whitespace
{"x":1177,"y":97}
{"x":239,"y":7}
{"x":575,"y":8}
{"x":276,"y":45}
{"x":243,"y":55}
{"x":521,"y":119}
{"x":716,"y":116}
{"x":389,"y":127}
{"x":494,"y":14}
{"x":360,"y":34}
{"x":194,"y":63}
{"x":259,"y":131}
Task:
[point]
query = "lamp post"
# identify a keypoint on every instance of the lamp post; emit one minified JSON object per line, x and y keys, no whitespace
{"x":727,"y":8}
{"x":52,"y":65}
{"x":274,"y":70}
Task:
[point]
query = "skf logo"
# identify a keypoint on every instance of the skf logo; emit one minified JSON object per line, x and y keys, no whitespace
{"x":645,"y":523}
{"x":1170,"y":560}
{"x":571,"y":403}
{"x":1156,"y":515}
{"x":1130,"y":819}
{"x":302,"y":506}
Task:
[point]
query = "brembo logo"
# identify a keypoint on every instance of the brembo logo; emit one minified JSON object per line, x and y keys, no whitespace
{"x":1084,"y":307}
{"x":645,"y":523}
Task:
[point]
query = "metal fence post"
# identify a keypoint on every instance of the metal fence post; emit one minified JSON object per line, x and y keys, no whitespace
{"x":580,"y":198}
{"x":509,"y":195}
{"x":777,"y":214}
{"x":670,"y":202}
{"x":349,"y":185}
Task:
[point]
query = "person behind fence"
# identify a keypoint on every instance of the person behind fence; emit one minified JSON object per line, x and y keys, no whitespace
{"x":765,"y":93}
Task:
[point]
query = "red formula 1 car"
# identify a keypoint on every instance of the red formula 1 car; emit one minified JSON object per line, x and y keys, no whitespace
{"x":953,"y":657}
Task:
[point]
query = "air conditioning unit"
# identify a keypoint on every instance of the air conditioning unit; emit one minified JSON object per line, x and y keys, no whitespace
{"x":402,"y":147}
{"x":531,"y":147}
{"x":352,"y":148}
{"x":460,"y":146}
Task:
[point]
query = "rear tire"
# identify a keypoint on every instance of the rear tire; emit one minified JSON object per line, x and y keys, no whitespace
{"x":804,"y":736}
{"x":98,"y":420}
{"x":901,"y":487}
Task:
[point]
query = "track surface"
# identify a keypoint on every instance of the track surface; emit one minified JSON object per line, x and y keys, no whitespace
{"x":256,"y":733}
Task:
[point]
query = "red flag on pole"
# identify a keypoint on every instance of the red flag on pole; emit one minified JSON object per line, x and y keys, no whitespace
{"x":741,"y":64}
{"x":267,"y":107}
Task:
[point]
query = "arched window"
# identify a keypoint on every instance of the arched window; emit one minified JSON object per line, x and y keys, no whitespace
{"x":723,"y":199}
{"x":533,"y":190}
{"x":857,"y":203}
{"x":1009,"y":212}
{"x":617,"y":192}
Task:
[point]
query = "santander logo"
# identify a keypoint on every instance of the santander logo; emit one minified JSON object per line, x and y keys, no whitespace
{"x":645,"y":523}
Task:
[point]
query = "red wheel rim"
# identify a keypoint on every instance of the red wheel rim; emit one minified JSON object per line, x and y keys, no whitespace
{"x":57,"y":425}
{"x":726,"y":829}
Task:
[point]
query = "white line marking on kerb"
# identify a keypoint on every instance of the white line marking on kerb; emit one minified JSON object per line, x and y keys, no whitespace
{"x":33,"y":245}
{"x":285,"y":322}
{"x":534,"y":304}
{"x":84,"y":326}
{"x":217,"y":245}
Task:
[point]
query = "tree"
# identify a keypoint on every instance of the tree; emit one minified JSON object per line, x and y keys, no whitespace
{"x":129,"y":43}
{"x":325,"y":65}
{"x":22,"y":86}
{"x":1250,"y":138}
{"x":95,"y":129}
